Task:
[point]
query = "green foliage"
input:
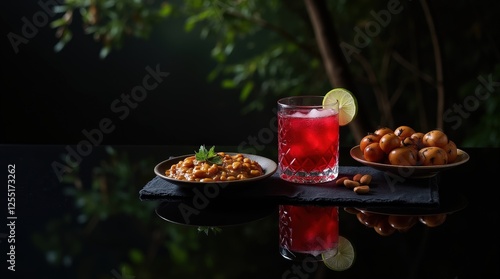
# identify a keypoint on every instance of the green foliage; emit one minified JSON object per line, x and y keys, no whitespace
{"x":110,"y":192}
{"x":258,"y":52}
{"x":133,"y":242}
{"x":482,"y":113}
{"x":109,"y":21}
{"x":396,"y":54}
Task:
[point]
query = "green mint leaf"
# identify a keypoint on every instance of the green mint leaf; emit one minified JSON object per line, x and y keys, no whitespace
{"x":211,"y":152}
{"x":210,"y":156}
{"x":202,"y":154}
{"x":215,"y":160}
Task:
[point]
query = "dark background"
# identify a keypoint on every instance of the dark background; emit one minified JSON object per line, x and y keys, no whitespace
{"x":49,"y":97}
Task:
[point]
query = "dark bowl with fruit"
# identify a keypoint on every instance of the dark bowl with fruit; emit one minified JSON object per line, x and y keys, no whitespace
{"x":408,"y":153}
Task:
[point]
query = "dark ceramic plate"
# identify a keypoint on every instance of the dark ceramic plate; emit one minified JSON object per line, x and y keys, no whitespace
{"x":268,"y":165}
{"x":410,"y":171}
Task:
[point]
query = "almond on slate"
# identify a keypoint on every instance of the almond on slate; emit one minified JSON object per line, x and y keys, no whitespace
{"x":365,"y":179}
{"x":340,"y":180}
{"x":357,"y":177}
{"x":363,"y":189}
{"x":350,"y":183}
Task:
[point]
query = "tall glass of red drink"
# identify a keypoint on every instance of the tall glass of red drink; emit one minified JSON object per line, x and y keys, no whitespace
{"x":308,"y":139}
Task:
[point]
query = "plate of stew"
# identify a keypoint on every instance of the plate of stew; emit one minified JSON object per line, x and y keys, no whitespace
{"x":234,"y":168}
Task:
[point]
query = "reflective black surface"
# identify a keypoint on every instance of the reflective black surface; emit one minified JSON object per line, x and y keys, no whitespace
{"x":93,"y":225}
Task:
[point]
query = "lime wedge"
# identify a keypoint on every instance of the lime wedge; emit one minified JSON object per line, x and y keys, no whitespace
{"x":344,"y":258}
{"x":348,"y":105}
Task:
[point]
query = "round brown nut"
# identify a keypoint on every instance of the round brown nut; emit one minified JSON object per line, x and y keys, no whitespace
{"x":433,"y":220}
{"x":366,"y":179}
{"x":351,"y":210}
{"x":363,"y":189}
{"x":357,"y":177}
{"x":350,"y":183}
{"x":340,"y":180}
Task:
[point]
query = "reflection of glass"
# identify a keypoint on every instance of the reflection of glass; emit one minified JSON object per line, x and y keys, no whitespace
{"x":308,"y":139}
{"x":308,"y":232}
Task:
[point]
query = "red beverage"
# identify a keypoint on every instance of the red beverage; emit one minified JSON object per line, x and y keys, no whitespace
{"x":308,"y":231}
{"x":308,"y":144}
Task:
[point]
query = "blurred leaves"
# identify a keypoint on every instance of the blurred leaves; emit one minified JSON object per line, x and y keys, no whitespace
{"x":110,"y":232}
{"x":109,"y":21}
{"x":265,"y":50}
{"x":107,"y":197}
{"x":273,"y":50}
{"x":111,"y":192}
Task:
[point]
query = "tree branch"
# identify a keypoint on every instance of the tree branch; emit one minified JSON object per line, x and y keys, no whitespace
{"x":438,"y":62}
{"x":409,"y":66}
{"x":334,"y":61}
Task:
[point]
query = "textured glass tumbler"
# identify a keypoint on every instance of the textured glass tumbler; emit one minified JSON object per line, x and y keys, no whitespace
{"x":308,"y":139}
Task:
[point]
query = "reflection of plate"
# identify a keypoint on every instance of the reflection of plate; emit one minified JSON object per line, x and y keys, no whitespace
{"x":268,"y":165}
{"x":410,"y":171}
{"x":213,"y":215}
{"x":448,"y":203}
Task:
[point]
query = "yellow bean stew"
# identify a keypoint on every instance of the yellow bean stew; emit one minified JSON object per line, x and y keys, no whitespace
{"x":231,"y":167}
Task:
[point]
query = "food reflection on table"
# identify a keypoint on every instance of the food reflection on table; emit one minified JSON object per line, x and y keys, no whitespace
{"x":215,"y":214}
{"x":387,"y":224}
{"x":308,"y":231}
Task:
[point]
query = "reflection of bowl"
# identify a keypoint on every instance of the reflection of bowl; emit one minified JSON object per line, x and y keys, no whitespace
{"x":385,"y":225}
{"x":215,"y":214}
{"x":410,"y":171}
{"x":386,"y":221}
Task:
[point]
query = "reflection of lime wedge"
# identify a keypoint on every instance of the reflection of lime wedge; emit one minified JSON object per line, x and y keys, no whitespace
{"x":348,"y":105}
{"x":344,"y":257}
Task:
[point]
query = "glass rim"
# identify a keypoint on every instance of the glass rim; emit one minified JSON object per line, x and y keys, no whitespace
{"x":284,"y":102}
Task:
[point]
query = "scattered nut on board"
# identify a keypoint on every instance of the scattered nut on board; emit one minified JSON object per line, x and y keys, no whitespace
{"x":357,"y":177}
{"x":365,"y":179}
{"x":340,"y":180}
{"x":360,"y":183}
{"x":351,"y":184}
{"x":363,"y":189}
